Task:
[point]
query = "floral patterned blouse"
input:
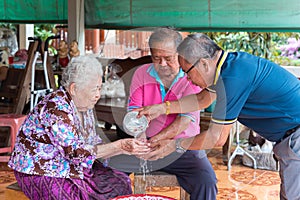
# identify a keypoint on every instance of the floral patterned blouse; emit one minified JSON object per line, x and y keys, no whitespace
{"x":53,"y":142}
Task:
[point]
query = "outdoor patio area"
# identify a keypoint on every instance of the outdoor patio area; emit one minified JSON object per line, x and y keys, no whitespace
{"x":240,"y":182}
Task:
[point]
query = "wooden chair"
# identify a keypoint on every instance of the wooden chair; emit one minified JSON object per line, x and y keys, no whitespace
{"x":9,"y":89}
{"x":128,"y":66}
{"x":15,"y":89}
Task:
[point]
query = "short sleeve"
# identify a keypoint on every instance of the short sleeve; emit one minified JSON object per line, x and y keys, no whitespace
{"x":232,"y":93}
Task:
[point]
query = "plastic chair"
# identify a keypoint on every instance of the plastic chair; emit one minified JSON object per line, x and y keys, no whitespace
{"x":14,"y":121}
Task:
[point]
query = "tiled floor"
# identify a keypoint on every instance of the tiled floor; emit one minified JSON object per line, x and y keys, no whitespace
{"x":240,"y":183}
{"x":243,"y":183}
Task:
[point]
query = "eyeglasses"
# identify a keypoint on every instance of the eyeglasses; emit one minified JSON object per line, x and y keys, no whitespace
{"x":194,"y":65}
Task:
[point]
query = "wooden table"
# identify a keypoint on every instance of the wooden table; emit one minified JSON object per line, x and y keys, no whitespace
{"x":111,"y":111}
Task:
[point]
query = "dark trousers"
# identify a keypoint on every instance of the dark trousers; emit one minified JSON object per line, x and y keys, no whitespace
{"x":195,"y":174}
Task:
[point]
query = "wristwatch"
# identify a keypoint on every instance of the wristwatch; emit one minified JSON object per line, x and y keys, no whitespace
{"x":179,"y":148}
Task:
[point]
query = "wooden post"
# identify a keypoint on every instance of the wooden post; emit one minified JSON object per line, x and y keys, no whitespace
{"x":88,"y":40}
{"x":102,"y":36}
{"x":95,"y":41}
{"x":76,"y":23}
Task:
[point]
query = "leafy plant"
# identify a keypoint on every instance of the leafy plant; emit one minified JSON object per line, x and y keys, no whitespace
{"x":44,"y":31}
{"x":252,"y":42}
{"x":263,"y":44}
{"x":10,"y":26}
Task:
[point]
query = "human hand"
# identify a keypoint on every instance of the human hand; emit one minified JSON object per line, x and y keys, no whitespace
{"x":142,"y":136}
{"x":158,"y":137}
{"x":135,"y":147}
{"x":160,"y":149}
{"x":151,"y":112}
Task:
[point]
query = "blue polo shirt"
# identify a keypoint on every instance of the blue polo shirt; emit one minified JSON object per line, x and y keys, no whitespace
{"x":258,"y":93}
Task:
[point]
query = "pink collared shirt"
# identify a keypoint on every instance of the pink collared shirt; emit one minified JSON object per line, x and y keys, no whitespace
{"x":147,"y":89}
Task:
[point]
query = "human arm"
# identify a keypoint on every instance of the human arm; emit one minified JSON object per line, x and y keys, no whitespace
{"x":216,"y":135}
{"x":185,"y":104}
{"x":123,"y":146}
{"x":180,"y":124}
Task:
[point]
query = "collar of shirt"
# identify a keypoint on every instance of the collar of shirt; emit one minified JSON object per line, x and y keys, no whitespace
{"x":152,"y":72}
{"x":220,"y":62}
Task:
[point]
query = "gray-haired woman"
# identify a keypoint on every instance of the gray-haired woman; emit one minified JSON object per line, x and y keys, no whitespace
{"x":57,"y":145}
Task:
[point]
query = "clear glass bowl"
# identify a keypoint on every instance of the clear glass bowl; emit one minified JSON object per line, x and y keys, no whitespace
{"x":134,"y":126}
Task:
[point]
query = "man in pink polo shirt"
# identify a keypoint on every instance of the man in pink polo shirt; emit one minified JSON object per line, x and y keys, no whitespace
{"x":164,"y":81}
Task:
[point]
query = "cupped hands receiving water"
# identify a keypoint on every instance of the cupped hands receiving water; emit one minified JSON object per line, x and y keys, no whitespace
{"x":129,"y":146}
{"x":135,"y":147}
{"x":159,"y":149}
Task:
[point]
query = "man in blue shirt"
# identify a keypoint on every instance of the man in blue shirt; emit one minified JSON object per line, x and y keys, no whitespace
{"x":254,"y":91}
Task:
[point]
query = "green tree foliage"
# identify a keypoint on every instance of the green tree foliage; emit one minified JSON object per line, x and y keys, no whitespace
{"x":263,"y":44}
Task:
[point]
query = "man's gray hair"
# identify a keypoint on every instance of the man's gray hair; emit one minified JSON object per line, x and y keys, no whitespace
{"x":81,"y":70}
{"x":165,"y":35}
{"x":196,"y":46}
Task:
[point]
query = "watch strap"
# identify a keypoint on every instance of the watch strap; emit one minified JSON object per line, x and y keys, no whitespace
{"x":179,"y":148}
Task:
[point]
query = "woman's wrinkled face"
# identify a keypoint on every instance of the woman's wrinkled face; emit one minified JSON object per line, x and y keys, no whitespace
{"x":86,"y":97}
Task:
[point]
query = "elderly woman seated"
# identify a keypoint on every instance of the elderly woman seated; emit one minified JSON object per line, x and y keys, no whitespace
{"x":57,"y":146}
